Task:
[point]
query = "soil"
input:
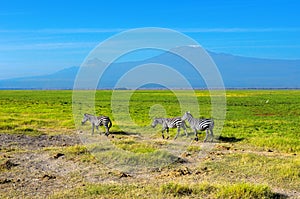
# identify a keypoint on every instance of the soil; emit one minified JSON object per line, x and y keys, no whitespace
{"x":28,"y":171}
{"x":36,"y":142}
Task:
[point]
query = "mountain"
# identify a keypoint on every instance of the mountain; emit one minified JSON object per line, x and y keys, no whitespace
{"x":236,"y":71}
{"x":245,"y":72}
{"x":63,"y":79}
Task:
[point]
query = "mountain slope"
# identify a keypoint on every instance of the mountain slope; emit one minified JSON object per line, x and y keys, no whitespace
{"x":63,"y":79}
{"x":257,"y":73}
{"x":236,"y":71}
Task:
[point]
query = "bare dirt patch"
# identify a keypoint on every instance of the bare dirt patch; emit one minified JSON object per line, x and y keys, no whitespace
{"x":36,"y":142}
{"x":29,"y":171}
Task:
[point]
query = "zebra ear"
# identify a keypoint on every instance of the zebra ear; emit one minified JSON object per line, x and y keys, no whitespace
{"x":188,"y":112}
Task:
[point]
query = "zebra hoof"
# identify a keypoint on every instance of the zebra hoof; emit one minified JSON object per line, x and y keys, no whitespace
{"x":107,"y":134}
{"x":163,"y":137}
{"x":168,"y":137}
{"x":196,"y":139}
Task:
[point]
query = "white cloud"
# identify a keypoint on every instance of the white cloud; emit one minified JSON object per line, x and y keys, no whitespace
{"x":236,"y":30}
{"x":64,"y":30}
{"x":48,"y":46}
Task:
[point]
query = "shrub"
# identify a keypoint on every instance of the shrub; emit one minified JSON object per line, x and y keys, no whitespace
{"x":176,"y":189}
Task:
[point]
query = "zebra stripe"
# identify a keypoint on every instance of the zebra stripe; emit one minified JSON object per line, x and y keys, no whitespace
{"x":97,"y":121}
{"x":168,"y":123}
{"x":200,"y":124}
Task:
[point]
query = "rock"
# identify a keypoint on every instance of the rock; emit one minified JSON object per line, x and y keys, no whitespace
{"x":48,"y":177}
{"x":180,"y":172}
{"x":186,"y":154}
{"x":204,"y":168}
{"x":156,"y":169}
{"x":4,"y":181}
{"x":185,"y":171}
{"x":124,"y":175}
{"x":58,"y":155}
{"x":180,"y":160}
{"x":8,"y":165}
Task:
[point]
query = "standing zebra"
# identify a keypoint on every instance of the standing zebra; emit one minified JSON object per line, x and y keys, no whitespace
{"x":97,"y":121}
{"x":200,"y":124}
{"x":170,"y":123}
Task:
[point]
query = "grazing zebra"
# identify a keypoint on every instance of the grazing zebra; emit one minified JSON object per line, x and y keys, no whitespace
{"x":170,"y":123}
{"x":97,"y":121}
{"x":200,"y":124}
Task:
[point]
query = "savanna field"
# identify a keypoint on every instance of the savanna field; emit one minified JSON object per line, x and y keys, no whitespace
{"x":256,"y":156}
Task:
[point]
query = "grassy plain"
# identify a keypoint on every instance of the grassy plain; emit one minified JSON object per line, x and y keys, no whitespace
{"x":256,"y":156}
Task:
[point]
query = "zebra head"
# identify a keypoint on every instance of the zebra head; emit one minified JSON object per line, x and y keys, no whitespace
{"x":85,"y":118}
{"x":155,"y":122}
{"x":186,"y":115}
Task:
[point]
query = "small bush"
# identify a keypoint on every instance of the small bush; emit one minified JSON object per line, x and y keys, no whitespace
{"x":222,"y":191}
{"x":134,"y":146}
{"x":176,"y":189}
{"x":193,"y":148}
{"x":244,"y":190}
{"x":205,"y":189}
{"x":76,"y":150}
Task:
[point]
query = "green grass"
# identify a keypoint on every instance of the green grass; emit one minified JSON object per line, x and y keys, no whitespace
{"x":171,"y":190}
{"x":273,"y":125}
{"x":193,"y":149}
{"x":272,"y":169}
{"x":206,"y":190}
{"x":245,"y":190}
{"x":107,"y":191}
{"x":75,"y":152}
{"x":134,"y":146}
{"x":36,"y":112}
{"x":257,"y":153}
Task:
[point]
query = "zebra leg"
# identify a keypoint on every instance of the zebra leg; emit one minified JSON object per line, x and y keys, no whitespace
{"x":93,"y":126}
{"x":168,"y":133}
{"x":206,"y":136}
{"x":162,"y":133}
{"x":212,"y":135}
{"x":184,"y":128}
{"x":97,"y":128}
{"x":196,"y":136}
{"x":106,"y":130}
{"x":178,"y":131}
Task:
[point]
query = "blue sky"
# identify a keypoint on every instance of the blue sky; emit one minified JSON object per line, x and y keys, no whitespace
{"x":40,"y":37}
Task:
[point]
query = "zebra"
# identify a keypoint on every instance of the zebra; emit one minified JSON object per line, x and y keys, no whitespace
{"x":200,"y":124}
{"x":170,"y":123}
{"x":97,"y":121}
